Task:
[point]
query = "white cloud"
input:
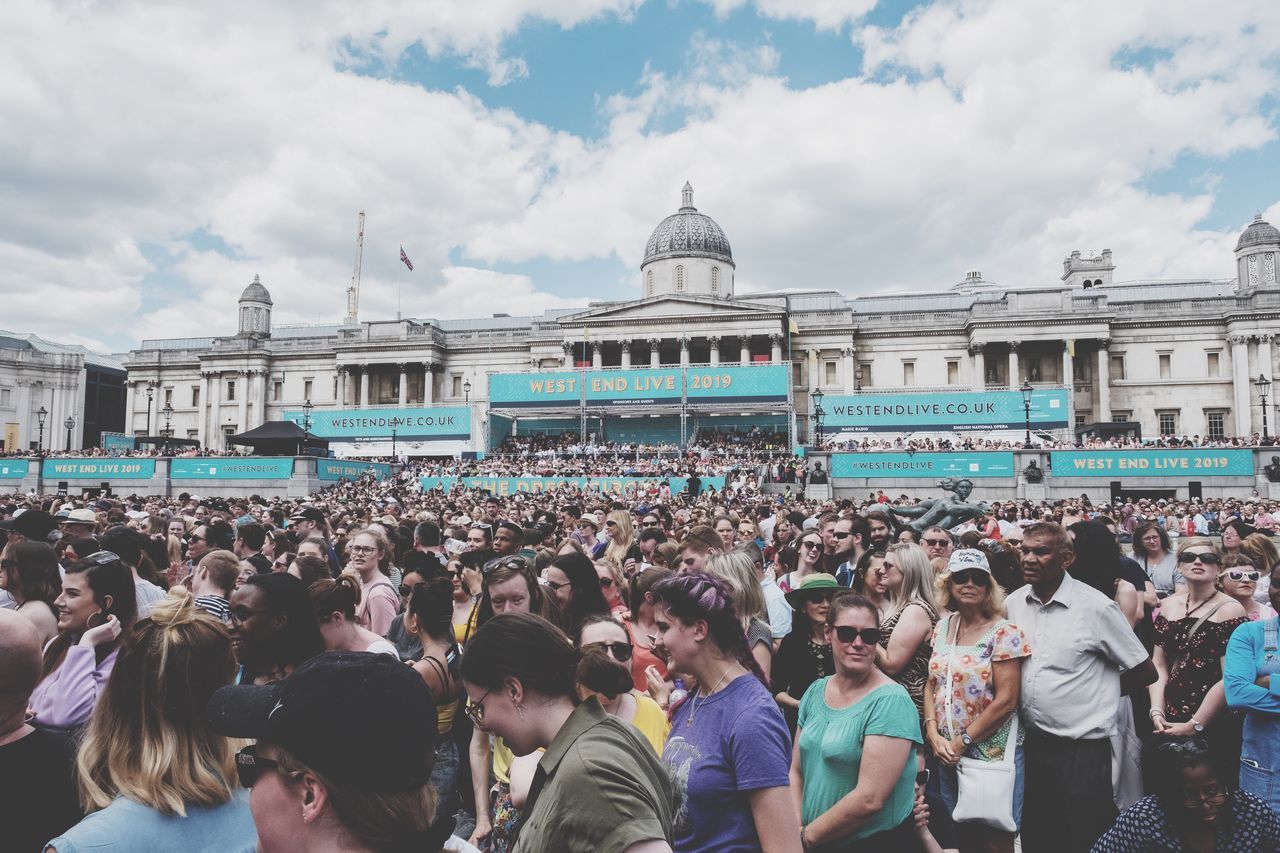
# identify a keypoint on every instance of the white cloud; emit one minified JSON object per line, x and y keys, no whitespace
{"x":466,"y":290}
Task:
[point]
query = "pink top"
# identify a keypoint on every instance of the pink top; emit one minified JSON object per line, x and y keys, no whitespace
{"x":68,"y":695}
{"x":379,"y":606}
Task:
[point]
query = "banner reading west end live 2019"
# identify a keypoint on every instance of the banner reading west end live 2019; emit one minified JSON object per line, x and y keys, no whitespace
{"x":534,"y":485}
{"x":1193,"y":463}
{"x":723,"y":383}
{"x":435,"y":423}
{"x":961,"y":411}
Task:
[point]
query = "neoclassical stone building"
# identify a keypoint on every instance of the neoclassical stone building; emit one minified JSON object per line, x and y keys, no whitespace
{"x":1177,"y":356}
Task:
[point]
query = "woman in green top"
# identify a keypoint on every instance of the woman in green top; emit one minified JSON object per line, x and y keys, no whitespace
{"x":853,"y":766}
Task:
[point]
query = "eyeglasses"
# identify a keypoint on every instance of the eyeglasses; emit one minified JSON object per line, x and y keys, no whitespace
{"x":1210,"y":559}
{"x":195,"y":538}
{"x":1242,"y":575}
{"x":240,"y":615}
{"x":621,"y":652}
{"x":250,"y":766}
{"x":1213,"y":794}
{"x":847,"y":634}
{"x":978,"y":577}
{"x":938,"y":543}
{"x":406,"y":589}
{"x":361,"y":549}
{"x":554,"y":586}
{"x":475,"y":710}
{"x":813,"y":546}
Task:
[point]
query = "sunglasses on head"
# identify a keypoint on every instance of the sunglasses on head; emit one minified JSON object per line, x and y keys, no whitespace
{"x":961,"y":577}
{"x":621,"y":652}
{"x":102,"y":558}
{"x":1210,"y":559}
{"x":1243,"y":574}
{"x":847,"y":634}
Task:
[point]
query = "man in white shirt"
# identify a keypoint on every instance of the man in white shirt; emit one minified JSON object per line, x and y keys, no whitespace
{"x":1071,"y":689}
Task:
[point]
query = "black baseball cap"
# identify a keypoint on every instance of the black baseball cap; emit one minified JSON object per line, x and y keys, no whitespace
{"x":35,"y":524}
{"x":308,"y":513}
{"x":327,"y":714}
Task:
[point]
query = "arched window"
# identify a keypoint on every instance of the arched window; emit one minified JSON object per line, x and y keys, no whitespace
{"x":679,"y":278}
{"x":648,"y":284}
{"x":715,"y":279}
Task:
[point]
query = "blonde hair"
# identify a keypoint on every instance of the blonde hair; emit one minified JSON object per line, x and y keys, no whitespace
{"x":174,"y":549}
{"x":1261,"y":551}
{"x":917,"y":575}
{"x":623,"y":538}
{"x":384,"y":545}
{"x":992,"y":605}
{"x":1197,"y":542}
{"x":738,"y":573}
{"x":148,"y":740}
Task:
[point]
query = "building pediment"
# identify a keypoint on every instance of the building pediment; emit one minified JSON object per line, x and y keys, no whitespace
{"x":673,"y":307}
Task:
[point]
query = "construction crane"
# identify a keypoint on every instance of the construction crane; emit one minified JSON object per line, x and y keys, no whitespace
{"x":353,"y":292}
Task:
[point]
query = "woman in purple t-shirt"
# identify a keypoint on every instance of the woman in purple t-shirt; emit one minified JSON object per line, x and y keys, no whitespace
{"x":729,"y":750}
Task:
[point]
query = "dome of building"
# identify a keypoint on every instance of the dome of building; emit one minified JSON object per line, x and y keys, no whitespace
{"x":1258,"y":233}
{"x":255,"y":292}
{"x":688,"y":234}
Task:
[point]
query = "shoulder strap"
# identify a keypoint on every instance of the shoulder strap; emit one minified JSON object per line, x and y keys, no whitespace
{"x":1205,"y":618}
{"x":1271,"y":635}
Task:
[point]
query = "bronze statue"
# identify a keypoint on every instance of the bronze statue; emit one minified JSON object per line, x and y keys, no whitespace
{"x":944,"y":512}
{"x":1273,"y":470}
{"x":1033,"y":472}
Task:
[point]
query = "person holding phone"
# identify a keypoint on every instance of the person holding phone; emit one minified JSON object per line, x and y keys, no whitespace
{"x":97,"y":604}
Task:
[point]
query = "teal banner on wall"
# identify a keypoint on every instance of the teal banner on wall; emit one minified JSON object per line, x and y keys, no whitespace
{"x":14,"y":469}
{"x":98,"y":469}
{"x":611,"y":485}
{"x":635,"y":386}
{"x":960,"y":411}
{"x":116,"y":441}
{"x":433,"y":423}
{"x":892,"y":466}
{"x":339,"y":469}
{"x":232,"y":468}
{"x":1192,"y":463}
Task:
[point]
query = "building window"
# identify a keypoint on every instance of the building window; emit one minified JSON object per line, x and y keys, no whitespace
{"x":231,"y":390}
{"x":715,"y":279}
{"x":6,"y":397}
{"x":1213,"y":364}
{"x":679,"y":276}
{"x":277,"y":390}
{"x":829,"y":370}
{"x":1082,"y":418}
{"x":1121,"y":417}
{"x":1166,"y":365}
{"x":797,"y":374}
{"x":457,"y":385}
{"x":1033,"y":370}
{"x":306,"y":389}
{"x":953,"y":371}
{"x":168,"y":397}
{"x":1168,"y":422}
{"x":195,"y":395}
{"x":1216,"y":424}
{"x":1117,"y":367}
{"x":648,"y":283}
{"x":335,"y":389}
{"x":864,"y":374}
{"x":908,"y":373}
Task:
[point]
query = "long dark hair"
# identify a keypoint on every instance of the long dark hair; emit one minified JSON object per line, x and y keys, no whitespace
{"x":524,"y":647}
{"x":431,"y":603}
{"x":698,"y":596}
{"x":1097,"y":561}
{"x":35,"y":569}
{"x":299,"y":640}
{"x":1142,"y":530}
{"x":1166,"y":758}
{"x":107,"y":576}
{"x":587,"y":596}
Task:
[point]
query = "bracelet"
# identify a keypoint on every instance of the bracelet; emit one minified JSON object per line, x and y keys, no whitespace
{"x":1153,"y":712}
{"x":804,"y":840}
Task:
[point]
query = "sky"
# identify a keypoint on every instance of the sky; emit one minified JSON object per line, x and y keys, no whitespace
{"x":154,"y":158}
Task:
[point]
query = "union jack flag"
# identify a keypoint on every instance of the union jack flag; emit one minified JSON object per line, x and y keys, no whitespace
{"x":405,"y":259}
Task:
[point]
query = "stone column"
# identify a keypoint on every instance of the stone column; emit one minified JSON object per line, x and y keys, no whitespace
{"x":428,"y":384}
{"x":815,"y":380}
{"x":566,"y":359}
{"x":1264,"y":356}
{"x":847,"y":369}
{"x":714,"y":340}
{"x":1068,"y":369}
{"x":1240,"y":384}
{"x":684,"y":351}
{"x":775,"y":349}
{"x":1103,"y":415}
{"x":404,"y":384}
{"x":343,"y":371}
{"x":626,"y":352}
{"x":264,"y":380}
{"x":214,"y":436}
{"x":978,"y":379}
{"x":597,"y":357}
{"x":128,"y":410}
{"x":363,"y":371}
{"x":655,"y":352}
{"x":242,"y":399}
{"x":1014,"y":379}
{"x":744,"y":346}
{"x":202,"y":410}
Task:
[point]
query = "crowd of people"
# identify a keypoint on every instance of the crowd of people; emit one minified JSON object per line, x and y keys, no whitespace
{"x":380,"y":667}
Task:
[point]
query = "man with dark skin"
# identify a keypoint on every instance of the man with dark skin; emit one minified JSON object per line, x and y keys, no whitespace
{"x":508,"y":539}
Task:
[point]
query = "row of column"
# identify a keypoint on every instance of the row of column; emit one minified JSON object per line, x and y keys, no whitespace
{"x":1241,"y":378}
{"x":251,"y":403}
{"x":58,"y":400}
{"x":655,"y":351}
{"x":1103,"y":372}
{"x":402,"y":368}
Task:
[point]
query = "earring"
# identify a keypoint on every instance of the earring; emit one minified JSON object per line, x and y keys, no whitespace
{"x":520,"y":711}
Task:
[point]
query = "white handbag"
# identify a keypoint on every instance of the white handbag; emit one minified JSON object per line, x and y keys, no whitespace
{"x":985,"y":788}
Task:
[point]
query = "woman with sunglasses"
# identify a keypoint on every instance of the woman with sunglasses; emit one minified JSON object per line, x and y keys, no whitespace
{"x":971,"y":696}
{"x":809,"y":548}
{"x":804,"y":655}
{"x":96,"y":605}
{"x":612,"y":584}
{"x":1192,"y":630}
{"x":1239,"y":579}
{"x":857,"y":735}
{"x":622,"y":549}
{"x":605,"y":672}
{"x":905,"y":633}
{"x":152,"y":772}
{"x":574,"y":584}
{"x":273,"y":627}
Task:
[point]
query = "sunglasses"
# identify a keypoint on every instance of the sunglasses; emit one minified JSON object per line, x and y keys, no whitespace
{"x":475,"y":710}
{"x":250,"y":766}
{"x":1242,"y":575}
{"x":847,"y":634}
{"x":102,"y":558}
{"x":621,"y":652}
{"x":1209,"y":559}
{"x":553,"y":585}
{"x":977,"y":576}
{"x":406,"y":589}
{"x":820,"y":597}
{"x":650,"y":523}
{"x":938,"y":543}
{"x":812,"y":546}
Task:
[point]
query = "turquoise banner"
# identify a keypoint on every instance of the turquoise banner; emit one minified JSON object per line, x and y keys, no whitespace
{"x":636,"y":386}
{"x":339,"y":469}
{"x":961,"y":411}
{"x":231,"y":468}
{"x":14,"y":469}
{"x":116,"y":441}
{"x":98,"y":469}
{"x":892,"y":466}
{"x":1192,"y":463}
{"x":434,"y":423}
{"x":611,"y":485}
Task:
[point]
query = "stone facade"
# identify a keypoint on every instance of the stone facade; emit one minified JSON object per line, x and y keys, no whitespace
{"x":67,"y":382}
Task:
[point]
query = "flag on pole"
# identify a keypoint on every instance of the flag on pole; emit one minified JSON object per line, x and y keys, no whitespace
{"x":405,"y":259}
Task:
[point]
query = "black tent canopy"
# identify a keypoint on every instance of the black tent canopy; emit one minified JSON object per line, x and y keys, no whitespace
{"x":282,"y":438}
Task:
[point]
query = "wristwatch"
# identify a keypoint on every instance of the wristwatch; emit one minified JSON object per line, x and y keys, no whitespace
{"x":965,"y":739}
{"x":1195,"y":724}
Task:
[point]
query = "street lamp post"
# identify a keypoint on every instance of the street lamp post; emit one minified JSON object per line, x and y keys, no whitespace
{"x":395,"y":424}
{"x":1263,"y":384}
{"x":41,"y":414}
{"x":151,"y":390}
{"x":167,"y":411}
{"x":466,"y":389}
{"x":1026,"y":412}
{"x":307,"y":408}
{"x":818,"y":413}
{"x":70,"y":424}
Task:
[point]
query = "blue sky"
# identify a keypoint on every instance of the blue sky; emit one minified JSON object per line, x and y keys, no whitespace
{"x":523,"y":152}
